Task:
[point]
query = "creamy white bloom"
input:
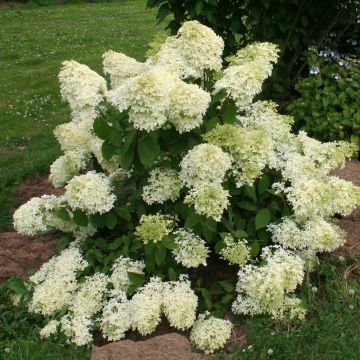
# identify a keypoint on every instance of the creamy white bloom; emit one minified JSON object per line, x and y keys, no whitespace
{"x":49,"y":329}
{"x":77,"y":329}
{"x":179,"y":303}
{"x":205,"y":163}
{"x":188,"y":105}
{"x":210,"y":334}
{"x":236,"y":252}
{"x":55,"y":282}
{"x":190,"y":250}
{"x":248,"y":146}
{"x":323,"y":197}
{"x":194,"y":49}
{"x":163,"y":185}
{"x":145,"y":307}
{"x":73,"y":137}
{"x":147,"y":97}
{"x":243,"y":79}
{"x":88,"y":298}
{"x":153,"y":228}
{"x":66,"y":167}
{"x":121,"y":67}
{"x":316,"y":235}
{"x":122,"y":265}
{"x":115,"y":319}
{"x":263,"y":290}
{"x":83,"y":89}
{"x":209,"y":200}
{"x":90,"y":192}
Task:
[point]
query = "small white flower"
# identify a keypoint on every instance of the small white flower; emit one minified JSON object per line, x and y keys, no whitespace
{"x":351,"y":292}
{"x":270,"y":352}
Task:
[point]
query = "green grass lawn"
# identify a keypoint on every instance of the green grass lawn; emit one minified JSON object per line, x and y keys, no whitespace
{"x":33,"y":43}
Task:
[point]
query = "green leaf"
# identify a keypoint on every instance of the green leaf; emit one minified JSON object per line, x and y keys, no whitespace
{"x":160,"y":255}
{"x":192,"y":220}
{"x":124,"y":213}
{"x":148,"y":150}
{"x":111,"y":220}
{"x":16,"y":284}
{"x":168,"y":242}
{"x":163,"y":11}
{"x":218,"y":96}
{"x":263,"y":184}
{"x":254,"y":249}
{"x":136,"y":279}
{"x":240,"y":234}
{"x":62,"y":243}
{"x":247,"y":205}
{"x":63,"y":214}
{"x":210,"y":224}
{"x":102,"y":244}
{"x":115,"y":137}
{"x":227,"y":286}
{"x":101,"y":128}
{"x":172,"y":274}
{"x":262,"y":218}
{"x":229,"y":115}
{"x":207,"y":298}
{"x":251,"y":193}
{"x":127,"y":159}
{"x":227,"y":298}
{"x":219,"y":246}
{"x":80,"y":217}
{"x":107,"y":150}
{"x":198,"y":7}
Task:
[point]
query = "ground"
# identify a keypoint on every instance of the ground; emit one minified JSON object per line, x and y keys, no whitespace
{"x":33,"y":43}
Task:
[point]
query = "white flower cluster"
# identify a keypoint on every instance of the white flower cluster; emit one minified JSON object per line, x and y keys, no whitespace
{"x":248,"y":146}
{"x":55,"y":282}
{"x":90,"y":193}
{"x":120,"y":269}
{"x":190,"y":250}
{"x":163,"y":185}
{"x":153,"y":228}
{"x":316,"y":235}
{"x":145,"y":307}
{"x":83,"y":89}
{"x":156,"y":96}
{"x":236,"y":252}
{"x":210,"y":334}
{"x":203,"y":169}
{"x":51,"y":328}
{"x":39,"y":215}
{"x":77,"y":329}
{"x":179,"y":303}
{"x":265,"y":289}
{"x":121,"y":67}
{"x":115,"y":319}
{"x":243,"y":79}
{"x":88,"y":298}
{"x":66,"y":167}
{"x":209,"y":200}
{"x":195,"y":49}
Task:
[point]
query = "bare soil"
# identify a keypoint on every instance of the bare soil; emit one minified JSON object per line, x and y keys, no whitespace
{"x":351,"y":223}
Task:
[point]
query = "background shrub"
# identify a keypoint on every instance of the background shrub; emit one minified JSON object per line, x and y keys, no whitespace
{"x":329,"y":106}
{"x":293,"y":25}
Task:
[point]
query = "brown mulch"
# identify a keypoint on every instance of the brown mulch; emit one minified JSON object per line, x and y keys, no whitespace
{"x":351,"y":223}
{"x":171,"y":346}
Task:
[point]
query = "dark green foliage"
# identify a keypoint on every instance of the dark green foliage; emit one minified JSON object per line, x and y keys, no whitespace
{"x":293,"y":25}
{"x":328,"y":107}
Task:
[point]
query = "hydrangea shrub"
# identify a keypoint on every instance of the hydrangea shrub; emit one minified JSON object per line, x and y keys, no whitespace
{"x":184,"y":197}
